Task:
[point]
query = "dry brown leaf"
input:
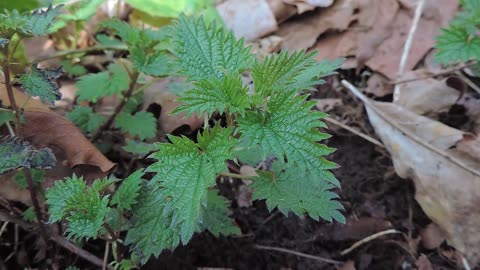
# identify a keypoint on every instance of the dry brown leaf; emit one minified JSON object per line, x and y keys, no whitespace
{"x":328,"y":104}
{"x":301,"y":5}
{"x":372,"y":39}
{"x":159,"y":94}
{"x":426,"y":96}
{"x":302,"y":33}
{"x":45,"y":128}
{"x":249,"y":19}
{"x":359,"y":229}
{"x":447,"y":181}
{"x":377,"y":85}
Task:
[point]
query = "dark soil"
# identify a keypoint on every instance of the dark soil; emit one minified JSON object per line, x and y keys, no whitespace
{"x":374,"y":197}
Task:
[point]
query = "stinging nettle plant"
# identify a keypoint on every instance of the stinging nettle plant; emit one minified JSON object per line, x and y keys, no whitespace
{"x":273,"y":117}
{"x":460,"y":41}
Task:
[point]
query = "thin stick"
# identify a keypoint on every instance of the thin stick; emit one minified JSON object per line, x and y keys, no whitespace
{"x":468,"y":81}
{"x":117,"y":110}
{"x":441,"y":73}
{"x":105,"y":256}
{"x":59,"y":240}
{"x":368,"y":239}
{"x":354,"y":131}
{"x":407,"y":132}
{"x":300,"y":254}
{"x":465,"y":263}
{"x":4,"y":226}
{"x":408,"y":44}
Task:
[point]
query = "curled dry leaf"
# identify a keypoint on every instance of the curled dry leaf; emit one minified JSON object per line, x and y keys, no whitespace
{"x":45,"y":128}
{"x":328,"y":104}
{"x":426,"y":96}
{"x":159,"y":94}
{"x":377,"y":85}
{"x":447,"y":180}
{"x":249,"y":19}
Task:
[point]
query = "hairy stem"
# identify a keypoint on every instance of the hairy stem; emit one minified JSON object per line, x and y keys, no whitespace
{"x":13,"y":104}
{"x":117,"y":110}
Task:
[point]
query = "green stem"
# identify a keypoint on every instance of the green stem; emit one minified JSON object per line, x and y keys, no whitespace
{"x":117,"y":110}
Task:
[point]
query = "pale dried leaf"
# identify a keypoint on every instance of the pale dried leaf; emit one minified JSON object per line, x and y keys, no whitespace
{"x":447,"y":182}
{"x":249,"y":19}
{"x":432,"y":236}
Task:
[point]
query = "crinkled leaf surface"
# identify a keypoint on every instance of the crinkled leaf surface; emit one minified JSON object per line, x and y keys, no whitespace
{"x":126,"y":195}
{"x":185,"y":170}
{"x":215,"y":216}
{"x":91,"y":87}
{"x":207,"y":51}
{"x":226,"y":94}
{"x":290,"y":188}
{"x":84,"y":118}
{"x":289,"y":129}
{"x":41,"y":83}
{"x":141,"y":124}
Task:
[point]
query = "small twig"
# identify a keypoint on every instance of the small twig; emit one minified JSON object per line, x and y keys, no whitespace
{"x":117,"y":110}
{"x":408,"y":43}
{"x":59,"y":240}
{"x":468,"y":81}
{"x":105,"y":256}
{"x":36,"y":204}
{"x":4,"y":226}
{"x":368,"y":239}
{"x":300,"y":254}
{"x":441,"y":73}
{"x":407,"y":132}
{"x":354,"y":131}
{"x":465,"y":263}
{"x":110,"y":231}
{"x":83,"y":50}
{"x":235,"y":175}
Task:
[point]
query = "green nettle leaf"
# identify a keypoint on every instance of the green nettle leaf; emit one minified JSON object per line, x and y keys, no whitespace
{"x":141,"y":124}
{"x":127,"y":194}
{"x":94,"y":86}
{"x":289,"y":129}
{"x":73,"y":69}
{"x":16,"y":153}
{"x":41,"y":83}
{"x":226,"y":94}
{"x":151,"y":231}
{"x":215,"y":216}
{"x":38,"y":176}
{"x":6,"y":116}
{"x":83,"y":207}
{"x":207,"y":51}
{"x":184,"y":173}
{"x":126,"y":32}
{"x":84,"y":118}
{"x":139,"y":148}
{"x":29,"y":215}
{"x":455,"y":44}
{"x":279,"y":73}
{"x":460,"y":41}
{"x":290,"y":188}
{"x":311,"y":75}
{"x":12,"y":22}
{"x":154,"y":64}
{"x":41,"y":20}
